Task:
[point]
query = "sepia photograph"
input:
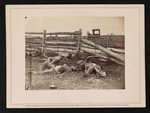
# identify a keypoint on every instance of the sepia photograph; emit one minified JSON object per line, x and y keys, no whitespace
{"x":74,"y":53}
{"x":75,"y":56}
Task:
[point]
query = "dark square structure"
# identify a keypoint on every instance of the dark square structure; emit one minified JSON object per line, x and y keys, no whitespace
{"x":96,"y":32}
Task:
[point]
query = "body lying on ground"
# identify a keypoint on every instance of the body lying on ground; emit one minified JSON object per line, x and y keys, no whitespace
{"x":50,"y":65}
{"x":91,"y":68}
{"x":54,"y":60}
{"x":59,"y":69}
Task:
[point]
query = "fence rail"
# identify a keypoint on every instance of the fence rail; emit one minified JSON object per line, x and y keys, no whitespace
{"x":55,"y":33}
{"x":47,"y":38}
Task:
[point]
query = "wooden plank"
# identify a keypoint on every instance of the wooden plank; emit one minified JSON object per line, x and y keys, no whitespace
{"x":33,"y":45}
{"x":31,"y":49}
{"x":43,"y":42}
{"x":34,"y":33}
{"x":60,"y":43}
{"x":101,"y":55}
{"x":60,"y":50}
{"x":53,"y":43}
{"x":121,"y":51}
{"x":54,"y":33}
{"x":59,"y":47}
{"x":79,"y":42}
{"x":91,"y":51}
{"x":109,"y":52}
{"x":33,"y":37}
{"x":87,"y":46}
{"x":64,"y":33}
{"x":33,"y":42}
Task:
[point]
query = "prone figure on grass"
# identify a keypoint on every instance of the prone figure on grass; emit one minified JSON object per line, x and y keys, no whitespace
{"x":51,"y":65}
{"x":90,"y":68}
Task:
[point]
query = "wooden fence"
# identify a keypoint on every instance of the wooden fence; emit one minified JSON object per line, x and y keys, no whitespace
{"x":55,"y":41}
{"x":74,"y":42}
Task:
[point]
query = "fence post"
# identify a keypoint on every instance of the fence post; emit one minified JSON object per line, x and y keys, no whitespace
{"x":43,"y":43}
{"x":107,"y":40}
{"x":30,"y":72}
{"x":79,"y":41}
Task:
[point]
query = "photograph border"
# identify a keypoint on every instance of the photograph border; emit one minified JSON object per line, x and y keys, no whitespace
{"x":59,"y":105}
{"x":35,"y":2}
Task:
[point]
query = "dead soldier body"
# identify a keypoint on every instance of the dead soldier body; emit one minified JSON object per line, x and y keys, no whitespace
{"x":91,"y":68}
{"x":50,"y":66}
{"x":57,"y":69}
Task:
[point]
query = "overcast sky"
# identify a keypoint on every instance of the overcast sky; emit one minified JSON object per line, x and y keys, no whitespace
{"x":107,"y":25}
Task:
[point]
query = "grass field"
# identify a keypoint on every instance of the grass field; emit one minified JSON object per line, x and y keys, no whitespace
{"x":115,"y":78}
